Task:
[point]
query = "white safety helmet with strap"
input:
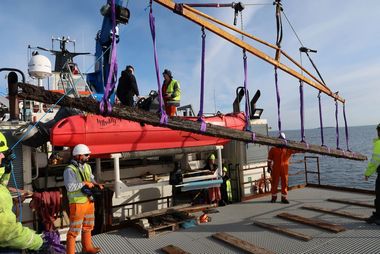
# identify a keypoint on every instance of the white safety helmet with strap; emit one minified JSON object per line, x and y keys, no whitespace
{"x":81,"y":149}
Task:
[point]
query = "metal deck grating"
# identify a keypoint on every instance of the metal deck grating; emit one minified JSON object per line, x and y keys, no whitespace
{"x":237,"y":220}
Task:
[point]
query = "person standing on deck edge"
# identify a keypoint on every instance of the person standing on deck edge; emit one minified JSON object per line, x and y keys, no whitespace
{"x":127,"y":87}
{"x":171,"y":93}
{"x":373,"y":166}
{"x":278,"y":166}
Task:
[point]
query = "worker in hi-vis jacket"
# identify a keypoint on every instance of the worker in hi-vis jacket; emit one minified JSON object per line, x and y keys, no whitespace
{"x":171,"y":92}
{"x":14,"y":237}
{"x":374,"y":166}
{"x":80,"y":184}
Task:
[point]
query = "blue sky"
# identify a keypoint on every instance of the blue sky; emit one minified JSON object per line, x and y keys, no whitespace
{"x":344,"y":32}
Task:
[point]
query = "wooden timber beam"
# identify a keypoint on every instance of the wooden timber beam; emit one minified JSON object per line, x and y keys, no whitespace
{"x":31,"y":92}
{"x":278,"y":50}
{"x":351,"y":202}
{"x":335,"y":212}
{"x":172,"y":249}
{"x":190,"y":14}
{"x":283,"y":230}
{"x":336,"y":228}
{"x":240,"y":244}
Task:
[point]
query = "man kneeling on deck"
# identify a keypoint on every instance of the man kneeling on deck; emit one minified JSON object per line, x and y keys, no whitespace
{"x":373,"y":166}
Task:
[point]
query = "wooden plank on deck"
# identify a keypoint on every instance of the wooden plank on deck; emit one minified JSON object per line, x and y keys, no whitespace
{"x":336,"y":228}
{"x":158,"y":212}
{"x":351,"y":202}
{"x":172,"y":249}
{"x":240,"y":244}
{"x":283,"y":230}
{"x":334,"y":212}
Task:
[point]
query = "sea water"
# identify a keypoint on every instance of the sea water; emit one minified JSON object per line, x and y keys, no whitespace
{"x":334,"y":171}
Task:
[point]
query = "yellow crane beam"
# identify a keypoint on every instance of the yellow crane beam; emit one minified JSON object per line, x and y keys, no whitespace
{"x":195,"y":16}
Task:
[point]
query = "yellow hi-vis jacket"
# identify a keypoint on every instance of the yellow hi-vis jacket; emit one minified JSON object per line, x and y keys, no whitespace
{"x":12,"y":233}
{"x":78,"y":197}
{"x":374,"y":163}
{"x":228,"y":185}
{"x":175,"y":91}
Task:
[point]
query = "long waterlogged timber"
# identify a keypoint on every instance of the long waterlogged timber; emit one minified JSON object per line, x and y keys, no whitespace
{"x":88,"y":104}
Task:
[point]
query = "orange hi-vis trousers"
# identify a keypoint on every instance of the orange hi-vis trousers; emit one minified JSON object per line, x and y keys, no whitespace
{"x":170,"y":110}
{"x":82,"y":219}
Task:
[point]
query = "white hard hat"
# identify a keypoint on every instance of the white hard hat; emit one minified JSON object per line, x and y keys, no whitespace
{"x":282,"y":135}
{"x":81,"y":149}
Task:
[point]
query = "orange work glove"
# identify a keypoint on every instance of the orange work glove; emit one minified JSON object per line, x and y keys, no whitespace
{"x":89,"y":184}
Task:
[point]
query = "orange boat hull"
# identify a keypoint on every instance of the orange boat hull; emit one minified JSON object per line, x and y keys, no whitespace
{"x":105,"y":135}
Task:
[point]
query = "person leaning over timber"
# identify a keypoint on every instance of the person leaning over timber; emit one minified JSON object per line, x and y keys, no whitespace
{"x":127,"y":87}
{"x":374,"y":166}
{"x":13,"y":236}
{"x":278,"y":166}
{"x":80,"y":182}
{"x":171,"y":92}
{"x":214,"y":195}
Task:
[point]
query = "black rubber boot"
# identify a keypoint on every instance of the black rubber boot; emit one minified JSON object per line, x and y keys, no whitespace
{"x":284,"y":200}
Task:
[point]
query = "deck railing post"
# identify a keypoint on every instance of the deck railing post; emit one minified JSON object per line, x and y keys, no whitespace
{"x":319,"y":173}
{"x":305,"y":157}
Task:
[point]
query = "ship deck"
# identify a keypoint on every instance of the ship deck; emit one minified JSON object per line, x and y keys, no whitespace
{"x":237,"y":220}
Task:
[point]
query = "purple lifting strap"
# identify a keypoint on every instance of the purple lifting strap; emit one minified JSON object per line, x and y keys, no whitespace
{"x":112,"y":75}
{"x":200,"y":114}
{"x":337,"y":124}
{"x":278,"y":99}
{"x":164,"y":116}
{"x":52,"y":240}
{"x":302,"y":112}
{"x":320,"y":118}
{"x":345,"y":125}
{"x":253,"y":136}
{"x":247,"y":112}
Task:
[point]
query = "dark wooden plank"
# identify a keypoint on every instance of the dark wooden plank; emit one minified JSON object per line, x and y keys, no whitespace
{"x":88,"y":104}
{"x":241,"y":244}
{"x":155,"y":231}
{"x":336,"y":228}
{"x":351,"y":202}
{"x":283,"y":230}
{"x":158,"y":212}
{"x":171,"y":249}
{"x":179,"y":208}
{"x":197,"y":208}
{"x":334,"y":212}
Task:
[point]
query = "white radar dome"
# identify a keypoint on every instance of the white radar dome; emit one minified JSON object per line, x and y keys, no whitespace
{"x":39,"y":67}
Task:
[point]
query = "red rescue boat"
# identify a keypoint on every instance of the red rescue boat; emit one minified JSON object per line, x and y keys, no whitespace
{"x":106,"y":135}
